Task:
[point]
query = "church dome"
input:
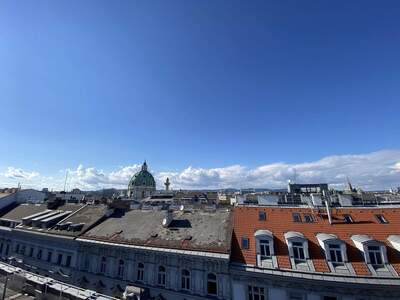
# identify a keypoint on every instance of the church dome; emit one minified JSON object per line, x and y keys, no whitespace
{"x":142,"y":178}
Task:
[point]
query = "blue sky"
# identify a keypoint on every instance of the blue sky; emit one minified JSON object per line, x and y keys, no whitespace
{"x":207,"y":84}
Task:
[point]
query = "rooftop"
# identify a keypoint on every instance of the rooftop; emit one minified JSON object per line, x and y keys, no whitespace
{"x":280,"y":221}
{"x":196,"y":230}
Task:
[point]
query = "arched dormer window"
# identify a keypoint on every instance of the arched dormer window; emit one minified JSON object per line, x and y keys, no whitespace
{"x":375,"y":255}
{"x":335,"y":253}
{"x":265,"y":249}
{"x":140,"y":272}
{"x":298,"y":251}
{"x":161,"y":276}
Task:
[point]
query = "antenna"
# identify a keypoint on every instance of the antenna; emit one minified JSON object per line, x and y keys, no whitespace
{"x":295,"y":175}
{"x":66,"y":177}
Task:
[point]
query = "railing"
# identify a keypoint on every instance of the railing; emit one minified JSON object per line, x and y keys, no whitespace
{"x":48,"y":285}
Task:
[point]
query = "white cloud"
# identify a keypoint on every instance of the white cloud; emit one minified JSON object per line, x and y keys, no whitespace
{"x":396,"y":167}
{"x":15,"y":173}
{"x":92,"y":178}
{"x":376,"y":170}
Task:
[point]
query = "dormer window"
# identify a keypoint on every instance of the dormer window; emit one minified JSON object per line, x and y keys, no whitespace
{"x":265,"y":249}
{"x":374,"y":255}
{"x":335,"y":253}
{"x":298,"y":251}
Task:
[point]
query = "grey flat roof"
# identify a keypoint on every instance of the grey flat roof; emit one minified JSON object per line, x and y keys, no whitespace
{"x":88,"y":215}
{"x":24,"y":210}
{"x":198,"y":230}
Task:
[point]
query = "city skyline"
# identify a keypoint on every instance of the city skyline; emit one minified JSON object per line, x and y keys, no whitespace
{"x":199,"y":90}
{"x":373,"y":171}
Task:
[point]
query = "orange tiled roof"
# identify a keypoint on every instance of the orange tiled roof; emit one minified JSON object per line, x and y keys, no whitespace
{"x":279,"y":220}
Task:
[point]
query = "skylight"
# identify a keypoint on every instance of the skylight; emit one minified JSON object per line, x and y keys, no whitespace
{"x":348,"y":219}
{"x":296,"y":217}
{"x":381,"y":219}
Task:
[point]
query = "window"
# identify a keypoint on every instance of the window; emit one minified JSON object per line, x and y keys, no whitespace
{"x":375,"y":255}
{"x":348,"y":219}
{"x":161,"y":276}
{"x":245,"y":242}
{"x":103,"y":265}
{"x":308,"y":218}
{"x":262,"y":216}
{"x":49,"y":256}
{"x":256,"y":293}
{"x":86,"y":263}
{"x":185,"y":284}
{"x":39,"y":254}
{"x":1,"y":248}
{"x":59,"y":259}
{"x":7,"y":249}
{"x":335,"y":253}
{"x":265,"y":250}
{"x":140,"y":272}
{"x":329,"y":298}
{"x":298,"y":251}
{"x":23,"y":248}
{"x":296,"y":217}
{"x":31,"y":252}
{"x":212,"y":284}
{"x":17,"y":248}
{"x":121,"y":268}
{"x":68,"y":262}
{"x":381,"y":219}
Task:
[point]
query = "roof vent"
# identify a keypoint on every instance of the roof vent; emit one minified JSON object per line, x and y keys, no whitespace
{"x":76,"y":227}
{"x":63,"y":226}
{"x":167,"y":219}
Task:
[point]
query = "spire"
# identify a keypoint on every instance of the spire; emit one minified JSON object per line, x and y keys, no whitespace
{"x":144,"y":166}
{"x":167,"y":184}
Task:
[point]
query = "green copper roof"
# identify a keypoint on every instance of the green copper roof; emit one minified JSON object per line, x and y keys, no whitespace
{"x":142,"y":178}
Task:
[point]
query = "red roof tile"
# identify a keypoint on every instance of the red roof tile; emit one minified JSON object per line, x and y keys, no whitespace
{"x":279,"y":220}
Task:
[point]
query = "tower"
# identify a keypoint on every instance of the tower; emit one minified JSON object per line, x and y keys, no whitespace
{"x":142,"y":184}
{"x":167,"y":184}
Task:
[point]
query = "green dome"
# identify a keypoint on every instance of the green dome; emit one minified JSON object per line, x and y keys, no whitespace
{"x":142,"y":178}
